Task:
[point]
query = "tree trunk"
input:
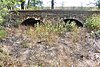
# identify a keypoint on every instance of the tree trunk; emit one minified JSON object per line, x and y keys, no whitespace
{"x":22,"y":5}
{"x":28,"y":4}
{"x":34,"y":4}
{"x":52,"y":4}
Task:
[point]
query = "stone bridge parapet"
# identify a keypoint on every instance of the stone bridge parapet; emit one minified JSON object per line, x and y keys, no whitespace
{"x":46,"y":15}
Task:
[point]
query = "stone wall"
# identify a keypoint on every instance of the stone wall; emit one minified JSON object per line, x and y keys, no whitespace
{"x":45,"y":15}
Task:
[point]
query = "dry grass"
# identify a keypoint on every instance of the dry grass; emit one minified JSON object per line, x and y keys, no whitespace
{"x":47,"y":32}
{"x":78,"y":35}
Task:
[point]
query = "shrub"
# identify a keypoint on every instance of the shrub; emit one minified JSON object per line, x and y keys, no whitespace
{"x":93,"y":23}
{"x":49,"y":32}
{"x":3,"y":33}
{"x":3,"y":15}
{"x":1,"y":20}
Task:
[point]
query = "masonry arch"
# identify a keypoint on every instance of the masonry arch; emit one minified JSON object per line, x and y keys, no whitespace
{"x":77,"y":22}
{"x":30,"y":22}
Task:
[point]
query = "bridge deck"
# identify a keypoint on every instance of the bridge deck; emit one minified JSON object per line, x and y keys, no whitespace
{"x":57,"y":11}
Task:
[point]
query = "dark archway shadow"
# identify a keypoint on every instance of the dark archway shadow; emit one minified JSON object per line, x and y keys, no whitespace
{"x":30,"y":22}
{"x":77,"y":22}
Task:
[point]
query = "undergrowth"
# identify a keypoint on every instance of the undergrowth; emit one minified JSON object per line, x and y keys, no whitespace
{"x":3,"y":33}
{"x":93,"y":23}
{"x":48,"y":32}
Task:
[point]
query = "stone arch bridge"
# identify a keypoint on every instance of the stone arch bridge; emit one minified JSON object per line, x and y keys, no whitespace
{"x":51,"y":15}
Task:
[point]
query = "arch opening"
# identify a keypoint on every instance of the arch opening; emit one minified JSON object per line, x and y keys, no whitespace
{"x":77,"y":22}
{"x":30,"y":22}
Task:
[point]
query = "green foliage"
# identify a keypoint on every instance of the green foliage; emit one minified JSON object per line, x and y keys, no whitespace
{"x":22,"y":0}
{"x":1,"y":20}
{"x":93,"y":23}
{"x":3,"y":14}
{"x":9,"y":4}
{"x":5,"y":6}
{"x":98,"y":4}
{"x":34,"y":4}
{"x":3,"y":33}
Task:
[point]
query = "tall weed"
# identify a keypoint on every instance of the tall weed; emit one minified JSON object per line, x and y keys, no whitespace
{"x":48,"y":32}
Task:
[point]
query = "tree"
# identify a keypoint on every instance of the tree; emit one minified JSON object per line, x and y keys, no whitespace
{"x":28,"y":4}
{"x":9,"y":4}
{"x":34,"y":3}
{"x":98,"y":4}
{"x":12,"y":4}
{"x":52,"y":4}
{"x":22,"y":4}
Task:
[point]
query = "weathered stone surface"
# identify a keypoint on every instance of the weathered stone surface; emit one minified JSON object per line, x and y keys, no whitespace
{"x":55,"y":15}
